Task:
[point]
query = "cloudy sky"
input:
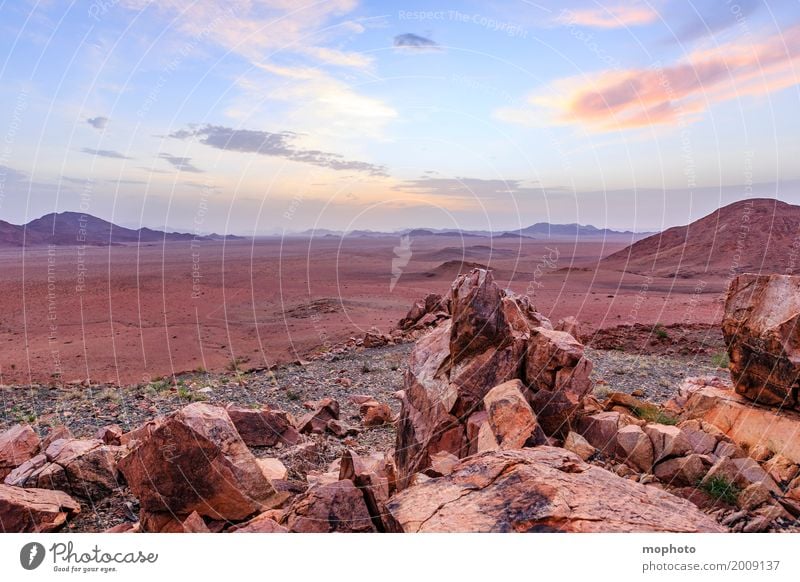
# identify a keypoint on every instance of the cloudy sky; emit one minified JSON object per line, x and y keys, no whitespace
{"x":262,"y":116}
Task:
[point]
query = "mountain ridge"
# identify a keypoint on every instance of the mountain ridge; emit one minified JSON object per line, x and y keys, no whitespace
{"x":754,"y":235}
{"x":76,"y":228}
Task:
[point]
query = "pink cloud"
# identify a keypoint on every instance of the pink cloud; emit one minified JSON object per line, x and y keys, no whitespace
{"x":609,"y":17}
{"x":667,"y":94}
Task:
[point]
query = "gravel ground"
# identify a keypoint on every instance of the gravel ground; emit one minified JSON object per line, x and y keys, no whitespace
{"x":657,"y":377}
{"x":377,"y":372}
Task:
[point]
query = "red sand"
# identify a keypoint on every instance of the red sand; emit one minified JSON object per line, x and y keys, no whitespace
{"x":139,"y":315}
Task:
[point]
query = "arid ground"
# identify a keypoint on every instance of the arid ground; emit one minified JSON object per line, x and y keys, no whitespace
{"x":128,"y":314}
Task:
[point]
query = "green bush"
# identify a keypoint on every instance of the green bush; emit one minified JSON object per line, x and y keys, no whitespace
{"x":720,"y":360}
{"x":720,"y":489}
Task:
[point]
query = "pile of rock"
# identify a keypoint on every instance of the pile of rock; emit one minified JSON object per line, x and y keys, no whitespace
{"x":425,"y":313}
{"x":191,"y":471}
{"x":492,"y":337}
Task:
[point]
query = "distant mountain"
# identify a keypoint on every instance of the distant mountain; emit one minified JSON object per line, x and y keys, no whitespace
{"x":513,"y":235}
{"x":572,"y":229}
{"x":75,"y":228}
{"x":756,"y":235}
{"x":538,"y":230}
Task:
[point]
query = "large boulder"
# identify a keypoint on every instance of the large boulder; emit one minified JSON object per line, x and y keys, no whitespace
{"x":740,"y":420}
{"x":453,"y":367}
{"x":510,"y":423}
{"x":17,"y":444}
{"x":195,"y":460}
{"x":83,"y":468}
{"x":34,"y":510}
{"x":332,"y":507}
{"x":262,"y":427}
{"x":544,"y":489}
{"x":761,"y":326}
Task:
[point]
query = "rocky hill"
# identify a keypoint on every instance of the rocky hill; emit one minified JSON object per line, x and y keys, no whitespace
{"x":75,"y":228}
{"x":755,"y":236}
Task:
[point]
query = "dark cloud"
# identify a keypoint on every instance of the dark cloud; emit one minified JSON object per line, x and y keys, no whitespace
{"x":98,"y":122}
{"x":105,"y":154}
{"x":273,"y":144}
{"x":410,"y":40}
{"x":183,"y":164}
{"x":472,"y":188}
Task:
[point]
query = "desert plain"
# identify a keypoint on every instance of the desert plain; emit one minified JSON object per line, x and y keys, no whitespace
{"x":129,"y":314}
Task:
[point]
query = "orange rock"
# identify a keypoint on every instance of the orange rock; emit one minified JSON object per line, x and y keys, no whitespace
{"x":34,"y":510}
{"x":262,"y":523}
{"x":375,"y":413}
{"x":635,"y":448}
{"x":745,"y":423}
{"x":17,"y":444}
{"x":335,"y":507}
{"x":195,"y":460}
{"x":263,"y":427}
{"x":543,"y":489}
{"x":761,"y":326}
{"x":511,"y":421}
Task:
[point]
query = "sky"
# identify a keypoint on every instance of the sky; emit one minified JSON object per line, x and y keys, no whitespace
{"x":271,"y":116}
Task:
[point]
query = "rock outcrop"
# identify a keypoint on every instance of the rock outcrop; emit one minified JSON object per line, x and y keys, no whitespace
{"x":544,"y":489}
{"x":483,"y":345}
{"x":735,"y":417}
{"x":761,"y":326}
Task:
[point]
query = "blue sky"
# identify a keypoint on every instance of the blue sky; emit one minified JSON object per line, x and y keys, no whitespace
{"x":279,"y":115}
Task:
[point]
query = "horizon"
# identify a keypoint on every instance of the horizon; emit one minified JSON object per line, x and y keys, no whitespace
{"x":349,"y":115}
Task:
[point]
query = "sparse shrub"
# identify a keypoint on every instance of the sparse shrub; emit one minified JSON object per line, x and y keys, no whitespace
{"x":720,"y":489}
{"x":601,"y":391}
{"x":292,"y":395}
{"x":660,"y":332}
{"x":654,"y":415}
{"x":720,"y":360}
{"x":185,"y":393}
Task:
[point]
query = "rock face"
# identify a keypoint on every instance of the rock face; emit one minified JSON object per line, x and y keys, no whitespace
{"x":544,"y":489}
{"x":263,"y":427}
{"x":484,"y":344}
{"x":333,"y":507}
{"x":17,"y":444}
{"x":511,"y":424}
{"x":34,"y":510}
{"x":82,"y":468}
{"x":426,"y":312}
{"x":737,"y":418}
{"x":558,"y":376}
{"x":194,"y":460}
{"x":761,"y":326}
